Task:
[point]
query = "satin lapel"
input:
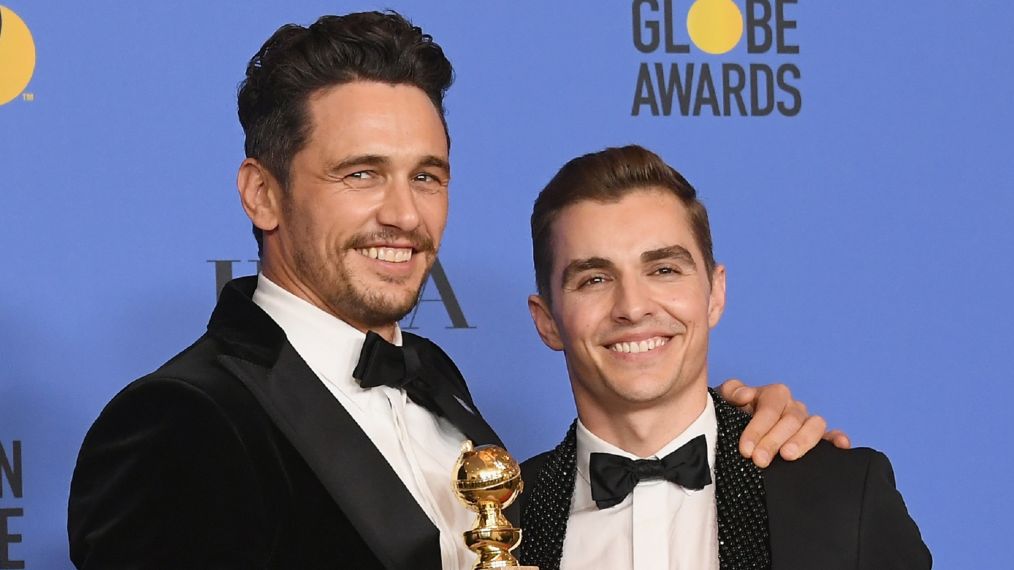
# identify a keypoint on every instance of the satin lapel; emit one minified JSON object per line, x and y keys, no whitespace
{"x":347,"y":463}
{"x":547,"y":508}
{"x":743,"y":541}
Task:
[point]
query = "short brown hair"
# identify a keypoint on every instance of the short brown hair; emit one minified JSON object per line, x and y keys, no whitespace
{"x":607,"y":176}
{"x":296,"y":62}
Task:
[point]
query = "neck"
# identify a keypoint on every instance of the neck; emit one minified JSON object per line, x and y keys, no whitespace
{"x":643,"y":430}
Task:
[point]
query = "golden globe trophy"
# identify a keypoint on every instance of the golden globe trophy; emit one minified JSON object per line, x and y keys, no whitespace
{"x":487,"y":479}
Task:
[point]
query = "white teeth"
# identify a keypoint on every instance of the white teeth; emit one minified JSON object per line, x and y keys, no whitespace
{"x":638,"y":347}
{"x":392,"y":254}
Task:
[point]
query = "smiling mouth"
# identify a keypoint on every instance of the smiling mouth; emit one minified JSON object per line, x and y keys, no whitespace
{"x":639,"y":346}
{"x":389,"y":254}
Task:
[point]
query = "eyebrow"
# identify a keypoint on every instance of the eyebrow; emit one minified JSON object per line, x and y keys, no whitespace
{"x":380,"y":160}
{"x":436,"y":162}
{"x":358,"y":160}
{"x":674,"y":252}
{"x":578,"y":265}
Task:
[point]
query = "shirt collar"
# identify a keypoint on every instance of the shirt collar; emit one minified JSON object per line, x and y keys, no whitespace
{"x":329,"y":345}
{"x":706,"y":423}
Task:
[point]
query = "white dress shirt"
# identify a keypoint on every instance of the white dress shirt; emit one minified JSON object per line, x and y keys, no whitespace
{"x":420,"y":447}
{"x":658,"y":526}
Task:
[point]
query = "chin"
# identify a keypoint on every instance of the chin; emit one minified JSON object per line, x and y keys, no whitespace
{"x":643,"y":389}
{"x":385,"y":307}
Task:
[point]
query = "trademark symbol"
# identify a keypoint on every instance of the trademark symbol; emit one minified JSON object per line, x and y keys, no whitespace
{"x":28,"y":97}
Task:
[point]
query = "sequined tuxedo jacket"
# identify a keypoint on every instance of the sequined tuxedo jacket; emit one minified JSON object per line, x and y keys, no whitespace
{"x":234,"y":455}
{"x":831,"y":509}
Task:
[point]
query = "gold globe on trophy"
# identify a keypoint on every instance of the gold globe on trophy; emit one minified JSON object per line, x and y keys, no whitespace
{"x":487,"y":479}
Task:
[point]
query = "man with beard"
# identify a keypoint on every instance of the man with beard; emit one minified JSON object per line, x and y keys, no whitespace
{"x":304,"y":429}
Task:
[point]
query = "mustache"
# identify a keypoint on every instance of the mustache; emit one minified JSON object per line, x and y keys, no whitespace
{"x":420,"y":242}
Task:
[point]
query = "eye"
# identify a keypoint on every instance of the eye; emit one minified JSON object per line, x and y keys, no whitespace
{"x":428,"y":181}
{"x":667,"y":270}
{"x":591,"y":281}
{"x":361,"y":179}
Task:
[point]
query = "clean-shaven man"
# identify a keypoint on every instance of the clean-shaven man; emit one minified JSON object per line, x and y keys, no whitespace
{"x":649,"y":476}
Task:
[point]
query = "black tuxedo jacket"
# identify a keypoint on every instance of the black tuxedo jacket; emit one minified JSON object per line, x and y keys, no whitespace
{"x":234,"y":455}
{"x":830,"y":509}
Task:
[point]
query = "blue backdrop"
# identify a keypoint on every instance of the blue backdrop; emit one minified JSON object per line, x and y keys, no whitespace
{"x":865,"y":222}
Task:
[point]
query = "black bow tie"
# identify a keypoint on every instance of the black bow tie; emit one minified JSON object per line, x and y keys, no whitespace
{"x":614,"y":477}
{"x":384,"y":364}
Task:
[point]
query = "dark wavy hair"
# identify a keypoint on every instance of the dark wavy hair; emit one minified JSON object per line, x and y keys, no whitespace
{"x":606,"y":177}
{"x":298,"y":61}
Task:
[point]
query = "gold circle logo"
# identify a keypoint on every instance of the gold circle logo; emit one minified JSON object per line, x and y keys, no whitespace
{"x":715,"y":26}
{"x":17,"y":55}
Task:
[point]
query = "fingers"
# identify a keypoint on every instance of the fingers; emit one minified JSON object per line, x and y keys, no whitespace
{"x":791,"y":424}
{"x":802,"y":441}
{"x":838,"y":438}
{"x":738,"y":394}
{"x":775,"y":419}
{"x":780,"y":425}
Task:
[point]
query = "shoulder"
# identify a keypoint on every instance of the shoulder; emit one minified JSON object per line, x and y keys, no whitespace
{"x":841,"y":501}
{"x":190,"y":396}
{"x":833,"y":466}
{"x":531,"y":467}
{"x":825,"y":457}
{"x":826,"y":477}
{"x":188,"y":414}
{"x":551,"y":473}
{"x":164,"y":448}
{"x":534,"y":464}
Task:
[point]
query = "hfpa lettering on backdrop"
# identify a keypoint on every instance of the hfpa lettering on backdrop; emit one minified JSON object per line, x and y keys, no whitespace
{"x":437,"y":303}
{"x":684,"y":76}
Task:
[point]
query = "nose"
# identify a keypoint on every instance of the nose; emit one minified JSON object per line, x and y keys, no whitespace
{"x":399,"y":209}
{"x":632,"y":300}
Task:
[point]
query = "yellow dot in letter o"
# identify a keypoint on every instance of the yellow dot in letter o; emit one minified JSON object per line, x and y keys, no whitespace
{"x":17,"y":55}
{"x":715,"y":26}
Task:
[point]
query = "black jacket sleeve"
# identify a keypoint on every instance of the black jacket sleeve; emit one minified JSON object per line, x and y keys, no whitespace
{"x":889,"y":538}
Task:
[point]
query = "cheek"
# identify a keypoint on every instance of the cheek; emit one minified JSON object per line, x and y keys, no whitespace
{"x":434,"y":213}
{"x":687,"y":301}
{"x":581,"y":324}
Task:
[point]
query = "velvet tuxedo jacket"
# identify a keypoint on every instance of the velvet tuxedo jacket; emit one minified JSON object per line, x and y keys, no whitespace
{"x":235,"y":455}
{"x":829,"y":510}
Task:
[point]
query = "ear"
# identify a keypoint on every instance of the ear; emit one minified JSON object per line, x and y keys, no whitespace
{"x":544,"y":322}
{"x":716,"y":301}
{"x":260,"y":194}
